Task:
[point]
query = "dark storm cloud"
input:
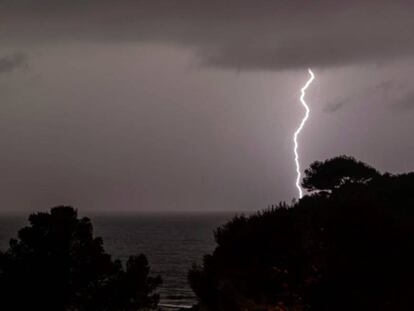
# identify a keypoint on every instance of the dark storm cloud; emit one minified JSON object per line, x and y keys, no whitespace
{"x":337,"y":105}
{"x":387,"y":90}
{"x":407,"y":102}
{"x":11,"y":62}
{"x":239,"y":34}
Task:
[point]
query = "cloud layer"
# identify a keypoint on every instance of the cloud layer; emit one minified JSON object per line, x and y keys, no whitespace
{"x":11,"y":62}
{"x":269,"y":35}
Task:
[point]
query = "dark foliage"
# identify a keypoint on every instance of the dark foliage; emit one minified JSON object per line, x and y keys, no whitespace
{"x":332,"y":173}
{"x":57,"y":264}
{"x":348,"y":249}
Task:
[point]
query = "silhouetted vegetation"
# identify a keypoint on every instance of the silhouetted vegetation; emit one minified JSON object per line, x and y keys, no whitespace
{"x":348,"y":248}
{"x":333,"y":173}
{"x":57,"y":264}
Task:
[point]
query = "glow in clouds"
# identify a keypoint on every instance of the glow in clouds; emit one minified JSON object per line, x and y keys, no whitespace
{"x":299,"y":129}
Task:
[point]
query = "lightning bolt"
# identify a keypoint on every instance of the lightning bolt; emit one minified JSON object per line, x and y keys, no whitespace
{"x":299,"y":129}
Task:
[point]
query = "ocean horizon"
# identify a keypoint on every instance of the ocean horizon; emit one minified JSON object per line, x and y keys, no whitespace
{"x":172,"y":242}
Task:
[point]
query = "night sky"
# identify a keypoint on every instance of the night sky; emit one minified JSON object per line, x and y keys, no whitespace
{"x":191,"y":105}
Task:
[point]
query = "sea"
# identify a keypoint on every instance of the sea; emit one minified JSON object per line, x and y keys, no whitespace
{"x":172,"y":242}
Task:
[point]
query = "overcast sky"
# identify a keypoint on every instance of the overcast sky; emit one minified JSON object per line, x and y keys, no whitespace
{"x":191,"y":105}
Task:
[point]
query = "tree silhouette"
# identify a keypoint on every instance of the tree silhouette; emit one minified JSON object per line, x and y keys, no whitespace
{"x":57,"y":264}
{"x":349,"y":250}
{"x":333,"y":173}
{"x":254,"y":266}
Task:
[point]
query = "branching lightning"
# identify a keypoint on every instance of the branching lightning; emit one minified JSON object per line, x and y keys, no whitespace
{"x":299,"y":129}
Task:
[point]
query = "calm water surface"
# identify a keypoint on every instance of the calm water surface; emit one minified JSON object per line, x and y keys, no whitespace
{"x":172,"y":242}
